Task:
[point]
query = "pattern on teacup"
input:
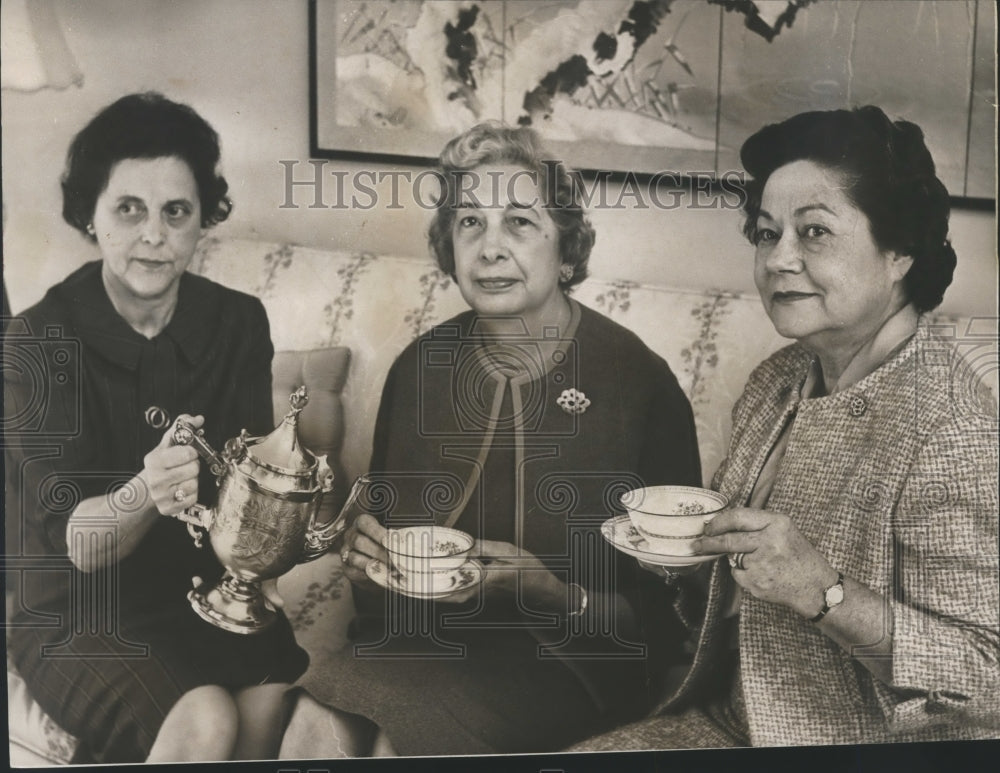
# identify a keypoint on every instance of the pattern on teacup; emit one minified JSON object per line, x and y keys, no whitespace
{"x":633,"y":537}
{"x":447,"y":548}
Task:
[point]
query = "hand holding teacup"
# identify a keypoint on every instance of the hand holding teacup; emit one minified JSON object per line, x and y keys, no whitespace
{"x":777,"y":564}
{"x":510,"y":569}
{"x":426,"y":560}
{"x":362,"y":542}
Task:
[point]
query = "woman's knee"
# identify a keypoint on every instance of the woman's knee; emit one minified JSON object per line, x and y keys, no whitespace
{"x":263,"y":714}
{"x":202,"y":725}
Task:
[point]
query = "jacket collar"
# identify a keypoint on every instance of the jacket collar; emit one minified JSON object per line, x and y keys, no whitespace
{"x":883,"y":346}
{"x":525,"y":349}
{"x":103,"y":329}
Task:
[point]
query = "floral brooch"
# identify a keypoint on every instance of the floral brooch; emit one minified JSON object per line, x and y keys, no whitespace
{"x":573,"y":401}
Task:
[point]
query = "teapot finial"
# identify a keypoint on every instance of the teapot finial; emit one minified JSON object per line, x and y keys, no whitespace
{"x":298,"y":400}
{"x":281,"y":448}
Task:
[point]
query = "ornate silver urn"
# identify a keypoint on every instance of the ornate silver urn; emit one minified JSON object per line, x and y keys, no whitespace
{"x":270,"y":489}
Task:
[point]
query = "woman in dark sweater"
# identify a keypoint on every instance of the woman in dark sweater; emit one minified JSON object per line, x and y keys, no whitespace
{"x":105,"y":637}
{"x":520,"y":422}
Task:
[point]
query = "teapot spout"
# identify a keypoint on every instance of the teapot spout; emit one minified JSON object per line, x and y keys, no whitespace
{"x":319,"y":538}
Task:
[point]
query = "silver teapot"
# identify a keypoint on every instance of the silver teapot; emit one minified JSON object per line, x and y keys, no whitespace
{"x":263,"y":524}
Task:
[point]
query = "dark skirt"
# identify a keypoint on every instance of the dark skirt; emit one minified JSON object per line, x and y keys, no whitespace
{"x":468,"y":691}
{"x":114,"y":691}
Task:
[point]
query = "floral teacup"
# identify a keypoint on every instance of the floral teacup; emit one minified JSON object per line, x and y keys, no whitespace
{"x":670,"y":518}
{"x":427,"y":555}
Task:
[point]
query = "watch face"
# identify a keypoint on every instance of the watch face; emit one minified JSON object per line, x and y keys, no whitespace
{"x":834,"y":595}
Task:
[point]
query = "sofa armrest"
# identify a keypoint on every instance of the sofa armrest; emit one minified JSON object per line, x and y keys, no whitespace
{"x":35,"y":740}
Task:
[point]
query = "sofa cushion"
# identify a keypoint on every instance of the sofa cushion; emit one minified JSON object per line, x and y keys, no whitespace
{"x":321,"y":423}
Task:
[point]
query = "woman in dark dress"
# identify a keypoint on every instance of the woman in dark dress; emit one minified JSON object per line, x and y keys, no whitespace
{"x":104,"y":635}
{"x":519,"y":422}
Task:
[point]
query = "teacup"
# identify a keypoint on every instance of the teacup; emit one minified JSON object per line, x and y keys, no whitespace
{"x":427,"y":555}
{"x":429,"y":583}
{"x":670,"y":518}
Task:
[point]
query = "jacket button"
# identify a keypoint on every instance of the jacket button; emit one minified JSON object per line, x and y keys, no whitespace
{"x":157,"y":417}
{"x":858,"y":406}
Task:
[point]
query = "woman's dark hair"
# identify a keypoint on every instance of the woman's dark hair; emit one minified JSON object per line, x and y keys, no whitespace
{"x":144,"y":125}
{"x":494,"y":143}
{"x":890,"y":177}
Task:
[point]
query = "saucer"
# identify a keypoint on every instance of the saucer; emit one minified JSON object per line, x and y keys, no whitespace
{"x":468,"y":575}
{"x":623,"y":536}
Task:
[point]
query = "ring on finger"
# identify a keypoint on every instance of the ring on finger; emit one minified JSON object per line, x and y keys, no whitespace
{"x":736,"y":560}
{"x":179,"y":494}
{"x":345,"y":555}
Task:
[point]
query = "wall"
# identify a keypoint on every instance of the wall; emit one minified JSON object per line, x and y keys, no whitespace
{"x":243,"y":65}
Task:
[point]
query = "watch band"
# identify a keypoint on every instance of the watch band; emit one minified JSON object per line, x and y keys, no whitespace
{"x":826,"y":603}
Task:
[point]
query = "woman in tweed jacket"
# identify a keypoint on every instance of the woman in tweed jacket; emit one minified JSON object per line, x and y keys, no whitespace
{"x":861,"y":580}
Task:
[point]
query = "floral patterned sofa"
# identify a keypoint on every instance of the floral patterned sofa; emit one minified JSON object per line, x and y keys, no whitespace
{"x":338,"y":320}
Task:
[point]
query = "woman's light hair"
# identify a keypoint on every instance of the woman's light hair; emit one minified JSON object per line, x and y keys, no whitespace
{"x":493,"y":143}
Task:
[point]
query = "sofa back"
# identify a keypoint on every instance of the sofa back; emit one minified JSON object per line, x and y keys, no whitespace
{"x":375,"y":305}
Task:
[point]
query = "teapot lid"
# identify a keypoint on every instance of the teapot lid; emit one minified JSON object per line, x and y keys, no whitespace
{"x":281,"y":449}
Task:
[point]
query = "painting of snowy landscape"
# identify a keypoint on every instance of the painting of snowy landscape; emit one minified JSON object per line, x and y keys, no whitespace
{"x":643,"y":85}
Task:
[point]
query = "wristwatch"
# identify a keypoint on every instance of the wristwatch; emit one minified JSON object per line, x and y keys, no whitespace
{"x":831,"y":597}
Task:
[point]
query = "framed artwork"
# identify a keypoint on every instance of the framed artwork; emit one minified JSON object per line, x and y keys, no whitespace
{"x":647,"y":86}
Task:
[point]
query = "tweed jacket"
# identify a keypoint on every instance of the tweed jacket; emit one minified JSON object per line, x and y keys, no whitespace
{"x":894,"y":480}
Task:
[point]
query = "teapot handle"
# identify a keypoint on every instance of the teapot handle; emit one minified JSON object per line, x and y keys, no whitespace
{"x":187,"y":435}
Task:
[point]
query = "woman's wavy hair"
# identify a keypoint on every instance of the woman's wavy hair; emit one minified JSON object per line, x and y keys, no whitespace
{"x":146,"y":125}
{"x":889,"y":175}
{"x":494,"y":143}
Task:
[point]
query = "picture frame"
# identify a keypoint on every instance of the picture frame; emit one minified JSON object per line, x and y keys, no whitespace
{"x":466,"y":75}
{"x":669,"y":93}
